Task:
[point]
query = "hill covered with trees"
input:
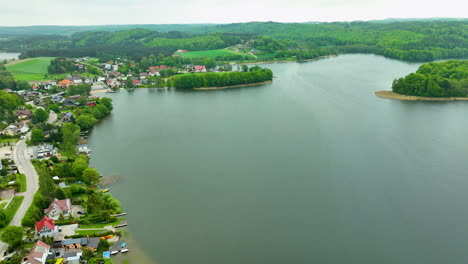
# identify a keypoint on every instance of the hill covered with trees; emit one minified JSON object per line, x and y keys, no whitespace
{"x":436,"y":79}
{"x":424,"y":40}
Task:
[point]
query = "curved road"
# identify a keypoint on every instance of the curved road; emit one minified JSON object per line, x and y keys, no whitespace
{"x":22,"y":155}
{"x":22,"y":160}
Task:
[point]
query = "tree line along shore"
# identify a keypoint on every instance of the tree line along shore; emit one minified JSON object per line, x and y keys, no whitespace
{"x":435,"y":81}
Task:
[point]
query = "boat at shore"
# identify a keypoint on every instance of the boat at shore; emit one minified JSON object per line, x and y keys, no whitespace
{"x":114,"y":252}
{"x":125,"y":250}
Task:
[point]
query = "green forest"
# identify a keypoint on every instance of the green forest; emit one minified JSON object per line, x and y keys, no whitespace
{"x":436,"y":79}
{"x":8,"y":104}
{"x":199,"y":80}
{"x":424,"y":40}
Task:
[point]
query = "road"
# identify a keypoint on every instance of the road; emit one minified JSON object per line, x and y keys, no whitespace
{"x":22,"y":155}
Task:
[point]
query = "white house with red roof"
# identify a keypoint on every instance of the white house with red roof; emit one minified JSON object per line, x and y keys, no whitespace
{"x":38,"y":254}
{"x":58,"y":207}
{"x":199,"y":68}
{"x":46,"y":227}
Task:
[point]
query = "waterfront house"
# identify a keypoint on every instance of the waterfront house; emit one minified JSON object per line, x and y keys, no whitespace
{"x":59,"y":207}
{"x":46,"y":227}
{"x":38,"y":254}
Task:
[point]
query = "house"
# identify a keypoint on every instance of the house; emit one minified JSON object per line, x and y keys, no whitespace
{"x":73,"y":256}
{"x":115,"y":67}
{"x":38,"y":254}
{"x":143,"y":75}
{"x":91,"y":104}
{"x":154,"y":73}
{"x":10,"y":130}
{"x":46,"y":227}
{"x":59,"y":207}
{"x":23,"y":114}
{"x":67,"y":117}
{"x":24,"y":128}
{"x":65,"y":83}
{"x":101,"y":79}
{"x":93,"y":243}
{"x":68,"y":102}
{"x":199,"y":68}
{"x":136,"y":82}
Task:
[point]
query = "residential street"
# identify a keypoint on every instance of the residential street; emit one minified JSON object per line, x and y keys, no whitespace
{"x":21,"y":157}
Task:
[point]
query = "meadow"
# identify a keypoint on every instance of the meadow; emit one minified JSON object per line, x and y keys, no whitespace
{"x":34,"y":69}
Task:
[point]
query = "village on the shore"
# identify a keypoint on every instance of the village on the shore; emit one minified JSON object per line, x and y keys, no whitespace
{"x":54,"y":208}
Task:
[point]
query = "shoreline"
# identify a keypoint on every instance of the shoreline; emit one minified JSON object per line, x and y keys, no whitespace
{"x":98,"y":91}
{"x":232,"y":86}
{"x":284,"y":61}
{"x":395,"y":96}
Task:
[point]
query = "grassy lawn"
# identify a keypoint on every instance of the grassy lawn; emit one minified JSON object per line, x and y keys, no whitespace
{"x":21,"y":180}
{"x":90,"y":232}
{"x":101,"y":225}
{"x":211,"y":53}
{"x":8,"y":140}
{"x":29,"y":70}
{"x":35,"y":69}
{"x":10,"y":211}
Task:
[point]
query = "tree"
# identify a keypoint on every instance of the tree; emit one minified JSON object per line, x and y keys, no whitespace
{"x":54,"y":108}
{"x":12,"y":235}
{"x":37,"y":136}
{"x":70,"y":136}
{"x":3,"y":219}
{"x":40,"y":116}
{"x":107,"y":102}
{"x":79,"y":166}
{"x":90,"y":176}
{"x":86,"y":121}
{"x":104,"y":245}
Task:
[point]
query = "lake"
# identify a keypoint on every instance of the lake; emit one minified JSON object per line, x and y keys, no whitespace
{"x":312,"y":168}
{"x":9,"y":55}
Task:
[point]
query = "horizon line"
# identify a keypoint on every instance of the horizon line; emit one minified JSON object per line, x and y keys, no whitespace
{"x":245,"y":22}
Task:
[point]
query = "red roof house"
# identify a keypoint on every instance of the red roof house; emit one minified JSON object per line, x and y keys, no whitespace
{"x":45,"y":227}
{"x":199,"y":68}
{"x":38,"y":254}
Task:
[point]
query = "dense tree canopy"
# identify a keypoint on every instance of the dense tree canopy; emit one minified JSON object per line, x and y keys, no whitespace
{"x":61,"y":65}
{"x":405,"y":40}
{"x":197,"y":80}
{"x":437,"y":79}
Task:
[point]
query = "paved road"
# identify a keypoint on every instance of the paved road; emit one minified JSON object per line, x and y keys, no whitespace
{"x":21,"y":157}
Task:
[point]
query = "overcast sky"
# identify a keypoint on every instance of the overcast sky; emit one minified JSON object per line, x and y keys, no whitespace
{"x":100,"y":12}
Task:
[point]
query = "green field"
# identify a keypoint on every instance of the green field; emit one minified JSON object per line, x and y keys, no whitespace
{"x":211,"y":53}
{"x":34,"y":69}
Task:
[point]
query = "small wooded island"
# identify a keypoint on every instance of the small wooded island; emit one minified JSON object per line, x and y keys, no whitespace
{"x":447,"y":80}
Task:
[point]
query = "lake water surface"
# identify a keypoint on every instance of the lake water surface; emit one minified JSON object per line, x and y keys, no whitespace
{"x":9,"y":55}
{"x":312,"y":168}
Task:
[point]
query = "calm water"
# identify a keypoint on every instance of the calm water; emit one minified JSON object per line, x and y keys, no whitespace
{"x":312,"y":168}
{"x":9,"y":55}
